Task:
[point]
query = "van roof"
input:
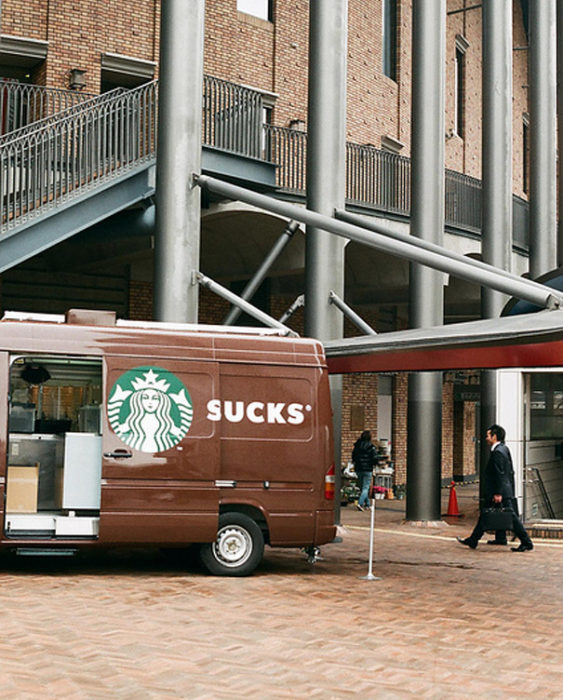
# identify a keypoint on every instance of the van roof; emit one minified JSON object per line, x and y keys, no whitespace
{"x":89,"y":317}
{"x":94,"y":334}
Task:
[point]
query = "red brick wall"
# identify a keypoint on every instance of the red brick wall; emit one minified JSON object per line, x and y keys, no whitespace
{"x":140,"y":300}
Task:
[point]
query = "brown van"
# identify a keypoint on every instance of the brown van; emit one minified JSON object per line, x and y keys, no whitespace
{"x":129,"y":433}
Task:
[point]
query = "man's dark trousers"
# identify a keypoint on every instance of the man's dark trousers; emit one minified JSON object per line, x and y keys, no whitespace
{"x":517,"y":528}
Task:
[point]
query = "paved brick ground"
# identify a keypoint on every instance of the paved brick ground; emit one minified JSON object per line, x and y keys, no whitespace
{"x":443,"y":621}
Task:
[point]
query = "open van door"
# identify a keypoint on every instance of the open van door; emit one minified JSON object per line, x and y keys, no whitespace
{"x":160,"y":453}
{"x":4,"y":392}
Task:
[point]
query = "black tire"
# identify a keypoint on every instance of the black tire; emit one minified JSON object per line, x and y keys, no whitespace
{"x":238,"y":549}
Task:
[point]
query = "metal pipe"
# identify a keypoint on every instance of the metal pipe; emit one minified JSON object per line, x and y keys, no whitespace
{"x":560,"y":128}
{"x":248,"y":308}
{"x":178,"y":209}
{"x":372,"y":225}
{"x":357,"y":320}
{"x":260,"y":274}
{"x":297,"y":304}
{"x":326,"y":162}
{"x":521,"y":288}
{"x":543,"y":145}
{"x":426,"y":289}
{"x":496,"y":241}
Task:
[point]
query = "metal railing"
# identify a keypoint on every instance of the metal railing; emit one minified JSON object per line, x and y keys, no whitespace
{"x":62,"y":155}
{"x":232,"y":117}
{"x":92,"y":101}
{"x":381,"y":180}
{"x":60,"y":160}
{"x":21,"y":103}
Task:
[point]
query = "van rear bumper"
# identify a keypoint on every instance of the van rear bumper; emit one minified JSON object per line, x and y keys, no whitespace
{"x":325,"y":529}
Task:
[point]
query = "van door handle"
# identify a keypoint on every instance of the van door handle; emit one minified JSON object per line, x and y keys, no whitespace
{"x":118,"y":454}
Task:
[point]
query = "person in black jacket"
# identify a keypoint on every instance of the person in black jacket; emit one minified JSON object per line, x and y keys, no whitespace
{"x":498,"y":487}
{"x":364,"y":456}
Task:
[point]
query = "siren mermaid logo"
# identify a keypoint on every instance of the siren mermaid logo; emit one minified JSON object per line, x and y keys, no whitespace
{"x":150,"y":409}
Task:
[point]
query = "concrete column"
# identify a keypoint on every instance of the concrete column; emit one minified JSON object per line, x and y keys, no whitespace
{"x":496,"y":242}
{"x":560,"y":128}
{"x":543,"y":142}
{"x":326,"y":163}
{"x":326,"y":183}
{"x":424,"y":440}
{"x":177,"y":236}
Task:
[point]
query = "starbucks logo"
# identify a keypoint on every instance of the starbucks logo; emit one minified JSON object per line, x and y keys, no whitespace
{"x":150,"y":409}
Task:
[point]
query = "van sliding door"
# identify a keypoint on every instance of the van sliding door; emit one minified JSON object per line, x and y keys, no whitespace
{"x":160,"y":452}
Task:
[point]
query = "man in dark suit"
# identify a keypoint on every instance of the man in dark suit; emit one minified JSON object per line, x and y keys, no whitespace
{"x":498,"y":487}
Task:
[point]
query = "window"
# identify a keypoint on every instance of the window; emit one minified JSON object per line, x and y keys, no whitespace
{"x":525,"y":156}
{"x":546,"y":406}
{"x":390,"y":38}
{"x":459,"y":95}
{"x":257,"y":8}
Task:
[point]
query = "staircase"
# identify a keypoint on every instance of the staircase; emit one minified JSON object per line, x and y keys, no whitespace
{"x":74,"y":167}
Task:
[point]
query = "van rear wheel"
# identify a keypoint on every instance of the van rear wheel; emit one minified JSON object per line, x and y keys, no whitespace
{"x":238,"y":549}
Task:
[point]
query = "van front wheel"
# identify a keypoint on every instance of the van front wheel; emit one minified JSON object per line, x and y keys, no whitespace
{"x":238,"y":549}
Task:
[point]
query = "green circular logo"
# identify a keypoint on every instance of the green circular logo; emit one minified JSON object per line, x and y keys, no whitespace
{"x":150,"y":409}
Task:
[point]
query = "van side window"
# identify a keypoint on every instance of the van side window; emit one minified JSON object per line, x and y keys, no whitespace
{"x":55,"y":395}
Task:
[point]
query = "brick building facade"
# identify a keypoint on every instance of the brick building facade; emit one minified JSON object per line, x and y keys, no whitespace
{"x":272,"y":57}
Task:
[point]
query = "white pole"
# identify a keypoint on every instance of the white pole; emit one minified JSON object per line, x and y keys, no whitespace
{"x":370,"y":576}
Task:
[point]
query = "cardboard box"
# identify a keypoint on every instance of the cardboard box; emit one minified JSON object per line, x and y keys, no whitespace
{"x":22,"y":489}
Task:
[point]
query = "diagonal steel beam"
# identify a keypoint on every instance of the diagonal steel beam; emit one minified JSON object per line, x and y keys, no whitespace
{"x":488,"y":277}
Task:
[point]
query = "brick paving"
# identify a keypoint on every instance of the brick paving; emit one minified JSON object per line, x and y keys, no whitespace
{"x":443,"y":621}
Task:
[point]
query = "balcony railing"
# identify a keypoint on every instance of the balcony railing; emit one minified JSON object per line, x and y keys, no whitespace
{"x":381,"y":181}
{"x":22,"y":104}
{"x":63,"y":155}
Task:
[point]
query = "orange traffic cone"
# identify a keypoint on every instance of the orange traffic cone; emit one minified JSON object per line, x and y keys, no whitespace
{"x":453,"y":510}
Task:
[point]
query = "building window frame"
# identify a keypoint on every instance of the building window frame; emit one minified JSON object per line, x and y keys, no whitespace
{"x":390,"y":38}
{"x":262,"y":9}
{"x":461,"y":46}
{"x":526,"y":153}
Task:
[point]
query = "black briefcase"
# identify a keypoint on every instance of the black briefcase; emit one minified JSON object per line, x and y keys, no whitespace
{"x":497,"y":518}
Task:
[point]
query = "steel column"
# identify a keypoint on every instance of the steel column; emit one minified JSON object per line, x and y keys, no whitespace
{"x":542,"y":99}
{"x":424,"y":436}
{"x":263,"y":270}
{"x":326,"y":163}
{"x":560,"y":128}
{"x":326,"y":183}
{"x":496,"y":240}
{"x":177,"y":236}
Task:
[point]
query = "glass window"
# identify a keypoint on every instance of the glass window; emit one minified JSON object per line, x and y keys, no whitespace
{"x":390,"y":38}
{"x":257,"y":8}
{"x":525,"y":157}
{"x":459,"y":92}
{"x":546,"y":406}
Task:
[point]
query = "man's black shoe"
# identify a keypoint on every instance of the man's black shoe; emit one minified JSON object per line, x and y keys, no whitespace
{"x":497,"y":542}
{"x":523,"y":548}
{"x":467,"y":542}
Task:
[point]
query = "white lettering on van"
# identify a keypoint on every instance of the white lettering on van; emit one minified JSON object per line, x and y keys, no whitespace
{"x":236,"y":415}
{"x":257,"y":412}
{"x":275,"y":413}
{"x":214,"y":410}
{"x":252,"y":412}
{"x":295,"y":412}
